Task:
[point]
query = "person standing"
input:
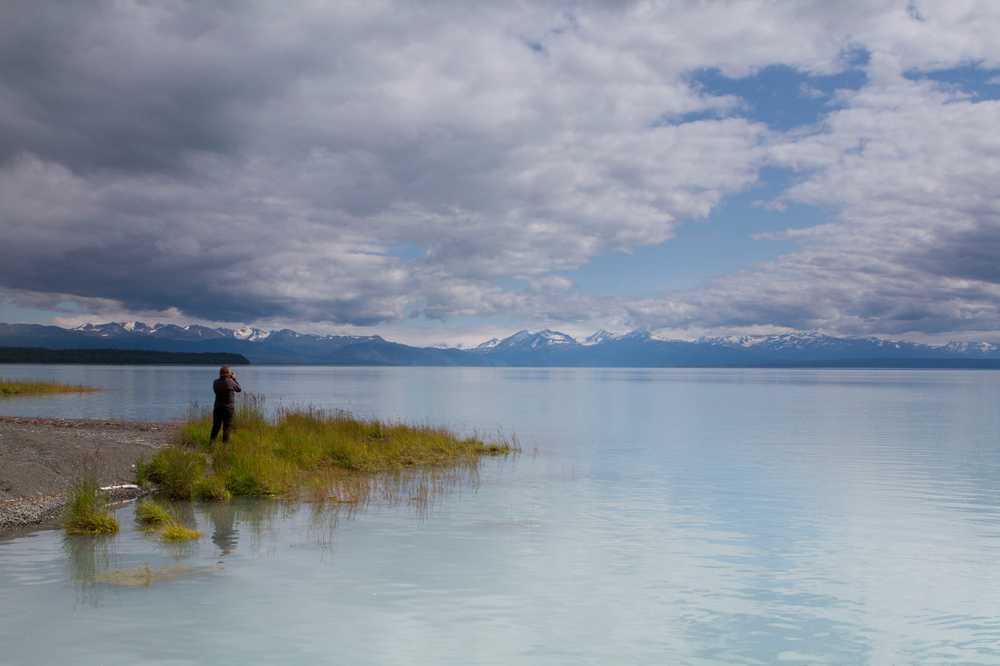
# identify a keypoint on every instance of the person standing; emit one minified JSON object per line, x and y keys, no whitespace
{"x":226,"y":387}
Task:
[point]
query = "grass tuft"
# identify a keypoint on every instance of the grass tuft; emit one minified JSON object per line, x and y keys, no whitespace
{"x":17,"y":387}
{"x":177,"y":532}
{"x":175,"y":470}
{"x":274,"y":457}
{"x":212,"y":489}
{"x":152,"y":514}
{"x":155,"y":516}
{"x":86,"y":510}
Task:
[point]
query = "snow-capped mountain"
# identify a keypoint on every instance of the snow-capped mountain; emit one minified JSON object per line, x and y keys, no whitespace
{"x":812,"y":342}
{"x":638,"y":348}
{"x":528,"y":340}
{"x":447,"y":345}
{"x":549,"y":338}
{"x":196,"y":332}
{"x":972,"y":347}
{"x":797,"y":340}
{"x":598,"y":337}
{"x":164,"y":331}
{"x":114,"y":328}
{"x":284,"y":345}
{"x":252,"y":334}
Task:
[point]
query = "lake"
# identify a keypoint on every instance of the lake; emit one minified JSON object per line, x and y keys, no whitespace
{"x":656,"y":516}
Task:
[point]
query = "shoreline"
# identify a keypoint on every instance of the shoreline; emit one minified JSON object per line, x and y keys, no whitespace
{"x":40,"y":458}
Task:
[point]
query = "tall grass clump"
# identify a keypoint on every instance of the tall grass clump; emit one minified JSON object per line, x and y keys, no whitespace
{"x":276,"y":456}
{"x":87,"y":511}
{"x":175,"y":470}
{"x":211,"y":489}
{"x":177,"y":532}
{"x":151,"y":514}
{"x":19,"y":387}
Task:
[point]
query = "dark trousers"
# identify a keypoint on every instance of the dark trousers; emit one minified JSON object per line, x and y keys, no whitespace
{"x":222,"y":417}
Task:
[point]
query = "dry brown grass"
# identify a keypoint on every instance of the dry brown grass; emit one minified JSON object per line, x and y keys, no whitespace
{"x":10,"y":388}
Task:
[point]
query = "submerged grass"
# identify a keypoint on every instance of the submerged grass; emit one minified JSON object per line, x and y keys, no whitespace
{"x":86,"y":509}
{"x":178,"y":532}
{"x":145,"y":576}
{"x":152,"y":514}
{"x":18,"y":387}
{"x":156,"y":517}
{"x":276,"y":457}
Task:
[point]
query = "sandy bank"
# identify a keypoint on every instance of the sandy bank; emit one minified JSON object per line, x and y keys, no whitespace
{"x":40,"y":458}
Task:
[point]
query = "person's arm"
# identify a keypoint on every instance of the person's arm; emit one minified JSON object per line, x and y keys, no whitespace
{"x":235,"y":385}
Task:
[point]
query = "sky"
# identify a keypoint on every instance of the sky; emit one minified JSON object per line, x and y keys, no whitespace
{"x":453,"y":171}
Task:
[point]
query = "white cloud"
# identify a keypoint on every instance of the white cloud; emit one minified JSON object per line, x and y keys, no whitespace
{"x":367,"y":128}
{"x":912,"y":169}
{"x":254,"y":164}
{"x":811,"y":92}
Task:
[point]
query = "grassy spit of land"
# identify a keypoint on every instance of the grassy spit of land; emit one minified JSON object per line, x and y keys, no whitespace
{"x":19,"y":387}
{"x":300,"y":448}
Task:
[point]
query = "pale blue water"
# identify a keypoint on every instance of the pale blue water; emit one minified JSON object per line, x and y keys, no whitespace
{"x":656,"y":517}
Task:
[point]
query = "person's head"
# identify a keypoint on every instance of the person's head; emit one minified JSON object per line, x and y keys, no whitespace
{"x":224,"y":372}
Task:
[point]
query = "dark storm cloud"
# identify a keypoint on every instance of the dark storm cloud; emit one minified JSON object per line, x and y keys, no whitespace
{"x":973,"y":254}
{"x":86,"y":88}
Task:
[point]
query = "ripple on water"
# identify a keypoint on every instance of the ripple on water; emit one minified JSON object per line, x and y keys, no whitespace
{"x":713,"y":517}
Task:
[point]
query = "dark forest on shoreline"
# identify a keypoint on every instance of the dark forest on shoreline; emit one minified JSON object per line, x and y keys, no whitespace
{"x":117,"y":357}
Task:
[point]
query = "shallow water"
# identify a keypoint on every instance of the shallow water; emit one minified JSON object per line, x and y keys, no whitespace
{"x":656,"y":516}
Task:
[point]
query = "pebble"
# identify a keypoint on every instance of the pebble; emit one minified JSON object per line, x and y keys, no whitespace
{"x":32,"y":510}
{"x":29,"y":510}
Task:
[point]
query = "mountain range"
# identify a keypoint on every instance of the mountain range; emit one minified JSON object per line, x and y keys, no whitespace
{"x":525,"y":348}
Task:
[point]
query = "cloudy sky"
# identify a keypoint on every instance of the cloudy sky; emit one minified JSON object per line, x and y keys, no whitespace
{"x":447,"y":171}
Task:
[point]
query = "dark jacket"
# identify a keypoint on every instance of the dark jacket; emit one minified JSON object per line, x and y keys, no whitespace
{"x":225,"y":389}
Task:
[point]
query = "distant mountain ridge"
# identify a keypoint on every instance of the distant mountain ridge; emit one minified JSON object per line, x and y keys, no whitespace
{"x":547,"y":347}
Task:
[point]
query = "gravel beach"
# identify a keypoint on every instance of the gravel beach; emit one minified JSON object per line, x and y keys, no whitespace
{"x":40,"y":458}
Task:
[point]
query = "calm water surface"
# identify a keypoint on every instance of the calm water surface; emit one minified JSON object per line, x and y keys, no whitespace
{"x":656,"y":517}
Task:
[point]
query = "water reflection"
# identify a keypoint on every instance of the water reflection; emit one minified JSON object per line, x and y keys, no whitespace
{"x":225,"y":534}
{"x":86,"y":557}
{"x":252,"y":518}
{"x":709,"y":518}
{"x":94,"y":561}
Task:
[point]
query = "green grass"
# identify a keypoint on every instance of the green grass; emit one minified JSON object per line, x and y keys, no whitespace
{"x":175,"y":469}
{"x":10,"y":388}
{"x":86,"y":510}
{"x":211,"y":489}
{"x":156,"y":517}
{"x":277,"y":457}
{"x":152,"y":514}
{"x":177,"y":532}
